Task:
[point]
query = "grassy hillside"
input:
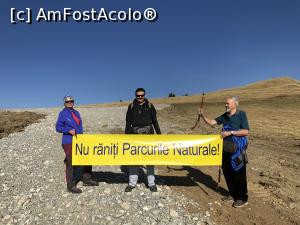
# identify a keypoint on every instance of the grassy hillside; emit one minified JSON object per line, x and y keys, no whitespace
{"x":279,"y":87}
{"x":274,"y":88}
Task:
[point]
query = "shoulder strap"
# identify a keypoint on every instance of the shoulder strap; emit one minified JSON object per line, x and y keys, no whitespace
{"x":149,"y":105}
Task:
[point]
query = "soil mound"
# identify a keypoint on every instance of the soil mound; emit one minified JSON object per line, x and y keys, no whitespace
{"x":11,"y":122}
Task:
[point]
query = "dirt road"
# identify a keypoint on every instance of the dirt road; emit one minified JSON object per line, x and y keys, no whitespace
{"x":273,"y":170}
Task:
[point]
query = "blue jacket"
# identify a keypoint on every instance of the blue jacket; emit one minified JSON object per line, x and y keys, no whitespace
{"x":241,"y":143}
{"x":237,"y":158}
{"x":65,"y":123}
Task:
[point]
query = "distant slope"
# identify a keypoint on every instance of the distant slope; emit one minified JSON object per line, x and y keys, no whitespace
{"x":284,"y":86}
{"x":278,"y":87}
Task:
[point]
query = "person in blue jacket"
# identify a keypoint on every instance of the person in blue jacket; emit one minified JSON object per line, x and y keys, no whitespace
{"x":69,"y":123}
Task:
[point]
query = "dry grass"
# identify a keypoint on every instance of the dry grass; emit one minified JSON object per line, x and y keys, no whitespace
{"x":11,"y":122}
{"x":273,"y":112}
{"x":279,"y":87}
{"x":273,"y":119}
{"x":272,"y":107}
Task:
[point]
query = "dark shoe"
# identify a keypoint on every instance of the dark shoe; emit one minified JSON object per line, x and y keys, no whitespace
{"x":90,"y":182}
{"x":239,"y":203}
{"x":129,"y":188}
{"x":153,"y":188}
{"x":228,"y":198}
{"x":74,"y":189}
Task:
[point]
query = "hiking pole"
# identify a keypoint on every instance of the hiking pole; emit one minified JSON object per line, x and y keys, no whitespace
{"x":219,"y":173}
{"x":219,"y":178}
{"x":198,"y":119}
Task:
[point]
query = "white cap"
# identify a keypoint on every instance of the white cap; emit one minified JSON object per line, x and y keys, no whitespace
{"x":68,"y":98}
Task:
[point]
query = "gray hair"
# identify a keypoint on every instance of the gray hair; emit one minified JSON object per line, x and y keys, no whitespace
{"x":236,"y":100}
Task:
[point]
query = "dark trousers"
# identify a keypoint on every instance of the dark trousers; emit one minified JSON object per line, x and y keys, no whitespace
{"x":74,"y":173}
{"x":236,"y":180}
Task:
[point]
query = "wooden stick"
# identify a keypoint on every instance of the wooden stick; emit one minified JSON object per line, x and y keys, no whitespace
{"x":198,"y":120}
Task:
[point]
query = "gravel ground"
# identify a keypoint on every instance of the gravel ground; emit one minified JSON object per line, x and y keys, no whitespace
{"x":33,"y":188}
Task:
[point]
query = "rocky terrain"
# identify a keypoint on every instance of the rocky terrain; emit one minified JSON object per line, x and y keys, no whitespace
{"x":33,"y":189}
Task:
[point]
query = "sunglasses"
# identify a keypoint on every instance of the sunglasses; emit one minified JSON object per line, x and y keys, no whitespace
{"x":69,"y":101}
{"x":139,"y":96}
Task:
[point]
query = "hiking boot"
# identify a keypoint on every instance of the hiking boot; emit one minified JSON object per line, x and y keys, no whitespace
{"x":153,"y":188}
{"x":129,"y":188}
{"x":239,"y":203}
{"x":228,"y":198}
{"x":74,"y":189}
{"x":90,"y":182}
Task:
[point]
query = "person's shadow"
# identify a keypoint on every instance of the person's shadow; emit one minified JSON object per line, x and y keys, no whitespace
{"x":198,"y":176}
{"x":193,"y":178}
{"x":115,"y":177}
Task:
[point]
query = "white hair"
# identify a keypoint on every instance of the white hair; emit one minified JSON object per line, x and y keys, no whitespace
{"x":236,"y":100}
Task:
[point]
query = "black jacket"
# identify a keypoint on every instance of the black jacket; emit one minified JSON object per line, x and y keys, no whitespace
{"x":141,"y":115}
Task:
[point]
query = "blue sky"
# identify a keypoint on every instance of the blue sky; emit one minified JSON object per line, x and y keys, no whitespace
{"x":194,"y":46}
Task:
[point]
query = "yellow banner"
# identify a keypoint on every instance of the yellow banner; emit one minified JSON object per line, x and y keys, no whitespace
{"x":121,"y":149}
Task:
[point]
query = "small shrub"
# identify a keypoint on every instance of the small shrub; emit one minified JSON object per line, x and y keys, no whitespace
{"x":171,"y":94}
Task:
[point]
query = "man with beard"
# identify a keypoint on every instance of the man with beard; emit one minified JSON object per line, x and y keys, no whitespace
{"x":140,"y":119}
{"x":235,"y":129}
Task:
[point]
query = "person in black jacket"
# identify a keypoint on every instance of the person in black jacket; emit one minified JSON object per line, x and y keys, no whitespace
{"x":141,"y":119}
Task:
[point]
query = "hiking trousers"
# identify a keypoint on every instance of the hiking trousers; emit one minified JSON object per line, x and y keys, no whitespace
{"x":74,"y":173}
{"x":134,"y":175}
{"x":236,"y":180}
